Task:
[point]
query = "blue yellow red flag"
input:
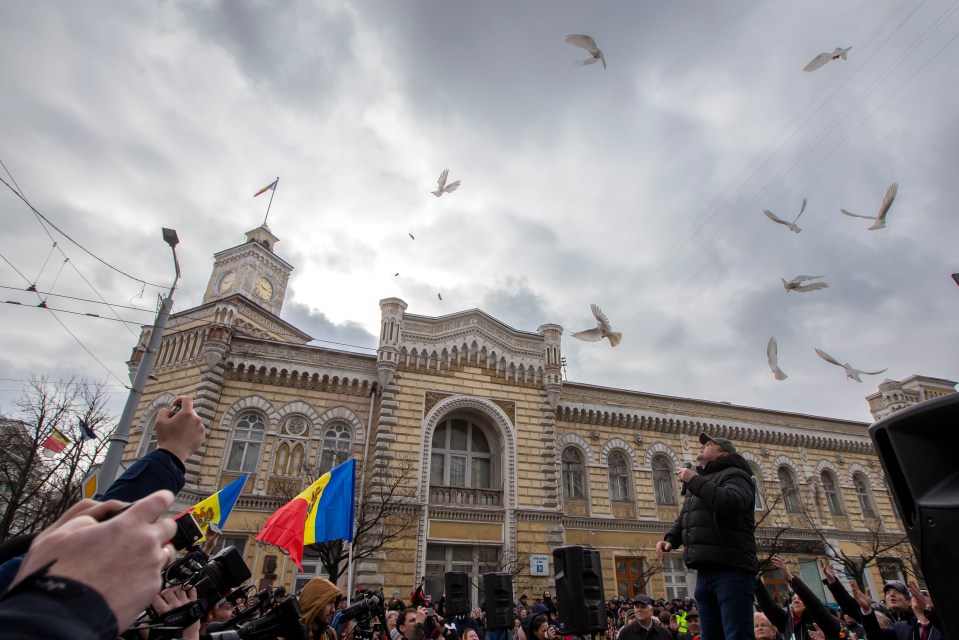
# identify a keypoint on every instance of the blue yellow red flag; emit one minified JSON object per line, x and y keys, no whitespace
{"x":217,"y":507}
{"x":323,"y":512}
{"x":268,"y":187}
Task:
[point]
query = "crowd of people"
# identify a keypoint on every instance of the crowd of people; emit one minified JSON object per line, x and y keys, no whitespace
{"x":94,"y":573}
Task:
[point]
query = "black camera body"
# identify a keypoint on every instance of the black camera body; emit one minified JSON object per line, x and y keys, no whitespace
{"x":275,"y":615}
{"x":368,"y":604}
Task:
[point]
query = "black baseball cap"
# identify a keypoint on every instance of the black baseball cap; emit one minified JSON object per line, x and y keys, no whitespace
{"x":897,"y":585}
{"x":643,"y":599}
{"x":723,"y":443}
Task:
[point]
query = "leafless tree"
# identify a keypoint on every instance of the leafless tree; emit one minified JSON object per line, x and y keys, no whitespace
{"x":38,"y":489}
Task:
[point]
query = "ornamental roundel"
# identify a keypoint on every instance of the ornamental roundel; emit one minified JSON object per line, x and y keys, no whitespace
{"x":295,"y":426}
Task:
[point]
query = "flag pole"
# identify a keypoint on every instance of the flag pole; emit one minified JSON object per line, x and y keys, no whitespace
{"x":349,"y":573}
{"x":272,"y":193}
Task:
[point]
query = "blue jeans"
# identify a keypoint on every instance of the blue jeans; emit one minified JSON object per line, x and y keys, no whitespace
{"x":724,"y":598}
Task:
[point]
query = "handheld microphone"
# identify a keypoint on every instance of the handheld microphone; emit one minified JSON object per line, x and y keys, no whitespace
{"x":682,"y":492}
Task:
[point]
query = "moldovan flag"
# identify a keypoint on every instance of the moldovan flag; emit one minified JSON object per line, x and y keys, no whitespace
{"x":271,"y":186}
{"x":322,"y":513}
{"x":217,"y":507}
{"x":55,"y":443}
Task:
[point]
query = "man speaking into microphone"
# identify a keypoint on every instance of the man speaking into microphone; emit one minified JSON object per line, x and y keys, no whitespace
{"x":716,"y":526}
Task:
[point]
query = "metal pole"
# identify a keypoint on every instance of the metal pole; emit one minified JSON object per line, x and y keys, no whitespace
{"x":121,"y":436}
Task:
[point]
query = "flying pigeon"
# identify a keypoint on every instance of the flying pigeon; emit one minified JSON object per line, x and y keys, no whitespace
{"x":880,"y":218}
{"x":851,"y":372}
{"x":796,"y":284}
{"x":442,"y":187}
{"x":602,"y":330}
{"x":411,"y":236}
{"x":772,"y":357}
{"x":824,"y":58}
{"x":439,"y":295}
{"x":790,"y":225}
{"x":585,"y":42}
{"x":396,"y":274}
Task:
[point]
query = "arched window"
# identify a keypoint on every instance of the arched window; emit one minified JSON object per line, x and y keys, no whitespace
{"x":863,"y":495}
{"x":663,"y":480}
{"x":831,"y":489}
{"x":757,"y":481}
{"x":148,"y":442}
{"x":247,"y":440}
{"x":337,"y":447}
{"x":289,"y":460}
{"x":573,"y":467}
{"x":790,"y":492}
{"x":461,"y":455}
{"x":618,"y":477}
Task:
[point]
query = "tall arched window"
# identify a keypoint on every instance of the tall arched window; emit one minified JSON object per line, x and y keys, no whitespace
{"x":831,"y":489}
{"x":663,"y":480}
{"x":288,"y":460}
{"x":790,"y":491}
{"x":461,"y":455}
{"x":757,"y":481}
{"x":863,"y":495}
{"x":247,"y":440}
{"x":573,"y":477}
{"x":149,"y":441}
{"x":618,"y":477}
{"x":337,"y":447}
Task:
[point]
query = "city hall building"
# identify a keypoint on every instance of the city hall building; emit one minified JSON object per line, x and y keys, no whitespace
{"x":497,"y":458}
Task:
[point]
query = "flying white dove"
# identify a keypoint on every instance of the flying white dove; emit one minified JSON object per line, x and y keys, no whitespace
{"x":585,"y":42}
{"x":790,"y":225}
{"x":772,"y":357}
{"x":880,"y":218}
{"x":602,"y":330}
{"x":851,"y":372}
{"x":824,"y":58}
{"x":796,"y":284}
{"x":442,"y":187}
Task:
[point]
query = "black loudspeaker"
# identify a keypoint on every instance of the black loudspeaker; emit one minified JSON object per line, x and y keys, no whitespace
{"x":457,"y":593}
{"x":498,"y":588}
{"x":917,"y":448}
{"x":579,"y":590}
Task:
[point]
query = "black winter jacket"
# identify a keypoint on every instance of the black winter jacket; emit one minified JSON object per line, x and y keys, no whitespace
{"x":717,"y":522}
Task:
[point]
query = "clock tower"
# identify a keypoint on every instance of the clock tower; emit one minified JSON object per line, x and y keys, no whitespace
{"x":252,"y":270}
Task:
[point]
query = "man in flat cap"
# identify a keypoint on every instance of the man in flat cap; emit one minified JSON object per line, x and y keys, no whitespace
{"x":716,"y":525}
{"x":643,"y":627}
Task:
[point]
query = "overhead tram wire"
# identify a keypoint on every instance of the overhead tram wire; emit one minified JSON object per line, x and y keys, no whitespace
{"x":82,"y":248}
{"x":691,"y":263}
{"x":723,"y":200}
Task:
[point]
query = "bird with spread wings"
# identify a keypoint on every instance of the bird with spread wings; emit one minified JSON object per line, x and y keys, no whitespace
{"x":603,"y":330}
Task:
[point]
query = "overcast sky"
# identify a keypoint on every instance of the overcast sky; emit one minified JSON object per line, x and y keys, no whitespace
{"x":639,"y":187}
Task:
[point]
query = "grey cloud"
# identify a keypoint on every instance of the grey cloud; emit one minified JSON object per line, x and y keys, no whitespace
{"x":316,"y":323}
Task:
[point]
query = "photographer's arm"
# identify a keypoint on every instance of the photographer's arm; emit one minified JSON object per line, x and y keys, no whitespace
{"x":179,"y":435}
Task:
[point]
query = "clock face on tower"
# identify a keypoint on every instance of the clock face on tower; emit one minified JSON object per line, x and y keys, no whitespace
{"x":263,"y":289}
{"x":226,"y":282}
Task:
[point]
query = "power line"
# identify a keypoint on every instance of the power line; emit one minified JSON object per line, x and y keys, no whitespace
{"x":82,"y":248}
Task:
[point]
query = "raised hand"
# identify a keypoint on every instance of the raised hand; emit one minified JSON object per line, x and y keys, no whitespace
{"x":827,"y":570}
{"x":181,"y":433}
{"x":780,"y":564}
{"x":865,"y":602}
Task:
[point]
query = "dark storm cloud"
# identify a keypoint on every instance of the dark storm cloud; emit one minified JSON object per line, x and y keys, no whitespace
{"x":324,"y":330}
{"x":514,"y":302}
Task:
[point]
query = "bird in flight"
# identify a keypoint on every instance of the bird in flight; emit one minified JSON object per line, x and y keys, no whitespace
{"x":880,"y":218}
{"x":772,"y":357}
{"x":411,"y":236}
{"x":603,"y":330}
{"x":851,"y":372}
{"x":440,"y":296}
{"x":442,"y":187}
{"x":824,"y":58}
{"x":585,"y":42}
{"x":796,"y":284}
{"x":790,"y":225}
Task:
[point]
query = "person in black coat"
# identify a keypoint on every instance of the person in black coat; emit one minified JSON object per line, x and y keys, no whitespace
{"x":716,"y":525}
{"x":805,"y":609}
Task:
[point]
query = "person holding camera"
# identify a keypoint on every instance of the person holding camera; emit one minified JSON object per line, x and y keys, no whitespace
{"x":318,"y":600}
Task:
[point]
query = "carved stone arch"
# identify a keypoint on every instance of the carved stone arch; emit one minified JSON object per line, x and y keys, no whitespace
{"x":753,"y":460}
{"x":507,"y":433}
{"x":785,"y":461}
{"x":620,"y":444}
{"x":295,"y":407}
{"x":836,"y":473}
{"x":855,"y":468}
{"x":340,"y":414}
{"x":575,"y":440}
{"x":660,"y":448}
{"x":255,"y":403}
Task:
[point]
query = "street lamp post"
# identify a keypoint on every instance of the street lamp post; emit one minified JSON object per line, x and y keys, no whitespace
{"x":121,"y":436}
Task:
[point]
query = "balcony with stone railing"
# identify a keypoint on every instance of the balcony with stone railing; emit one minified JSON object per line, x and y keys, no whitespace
{"x":466,"y":497}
